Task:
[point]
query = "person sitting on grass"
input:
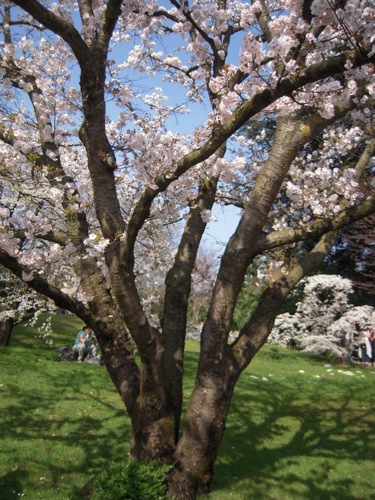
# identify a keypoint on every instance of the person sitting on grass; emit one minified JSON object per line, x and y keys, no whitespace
{"x":85,"y":344}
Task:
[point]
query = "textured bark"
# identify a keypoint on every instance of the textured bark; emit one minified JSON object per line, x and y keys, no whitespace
{"x":203,"y":427}
{"x":292,"y":133}
{"x":203,"y":430}
{"x":178,"y":286}
{"x":220,"y":365}
{"x":255,"y":332}
{"x":6,"y":328}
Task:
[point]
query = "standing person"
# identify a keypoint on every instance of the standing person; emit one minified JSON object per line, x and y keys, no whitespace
{"x":84,"y":343}
{"x":367,"y":347}
{"x":371,"y":337}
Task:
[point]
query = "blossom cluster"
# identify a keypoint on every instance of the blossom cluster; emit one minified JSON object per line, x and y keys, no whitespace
{"x":163,"y":63}
{"x":322,"y":181}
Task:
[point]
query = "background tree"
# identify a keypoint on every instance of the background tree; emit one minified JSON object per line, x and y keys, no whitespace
{"x":353,"y":257}
{"x":18,"y":303}
{"x":203,"y":279}
{"x":324,"y":316}
{"x":252,"y":288}
{"x":9,"y":305}
{"x":90,"y":160}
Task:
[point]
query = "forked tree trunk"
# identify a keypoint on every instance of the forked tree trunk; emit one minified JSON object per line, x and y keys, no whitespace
{"x":209,"y":405}
{"x":153,"y":438}
{"x":153,"y":419}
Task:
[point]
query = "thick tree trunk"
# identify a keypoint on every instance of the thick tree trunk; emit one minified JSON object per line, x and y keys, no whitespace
{"x":202,"y":434}
{"x":153,"y":437}
{"x":6,"y":328}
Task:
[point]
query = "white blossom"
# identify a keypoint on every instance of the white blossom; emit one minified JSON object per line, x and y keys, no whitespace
{"x":323,"y":317}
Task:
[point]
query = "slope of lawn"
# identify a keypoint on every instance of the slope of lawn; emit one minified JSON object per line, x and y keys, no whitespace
{"x":299,"y":427}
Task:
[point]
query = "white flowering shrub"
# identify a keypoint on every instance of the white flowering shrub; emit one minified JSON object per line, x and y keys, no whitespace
{"x":356,"y":319}
{"x":322,"y":345}
{"x":323,"y":317}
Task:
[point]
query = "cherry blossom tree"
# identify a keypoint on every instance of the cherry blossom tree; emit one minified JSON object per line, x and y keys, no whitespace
{"x":18,"y":303}
{"x":99,"y":157}
{"x":10,"y":302}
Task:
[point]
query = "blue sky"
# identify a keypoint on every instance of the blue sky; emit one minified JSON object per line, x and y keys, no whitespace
{"x":218,"y":232}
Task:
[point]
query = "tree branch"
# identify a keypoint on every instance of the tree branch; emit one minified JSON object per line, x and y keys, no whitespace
{"x":317,"y":228}
{"x":62,"y":28}
{"x":111,"y":15}
{"x":42,"y":286}
{"x":53,"y":236}
{"x":240,"y":116}
{"x":255,"y":332}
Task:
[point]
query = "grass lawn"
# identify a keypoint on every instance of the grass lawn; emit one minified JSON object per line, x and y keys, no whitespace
{"x":299,"y":428}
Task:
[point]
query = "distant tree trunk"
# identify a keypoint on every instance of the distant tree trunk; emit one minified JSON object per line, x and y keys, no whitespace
{"x":6,"y":328}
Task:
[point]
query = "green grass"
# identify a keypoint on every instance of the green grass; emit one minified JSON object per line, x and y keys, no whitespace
{"x":298,"y":429}
{"x":295,"y":435}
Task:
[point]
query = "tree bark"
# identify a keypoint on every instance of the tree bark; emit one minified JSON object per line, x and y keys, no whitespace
{"x":220,"y":365}
{"x":6,"y":328}
{"x":203,"y":430}
{"x":178,"y":287}
{"x":211,"y":398}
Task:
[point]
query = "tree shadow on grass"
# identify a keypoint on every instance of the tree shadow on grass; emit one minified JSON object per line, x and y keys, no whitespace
{"x":11,"y":484}
{"x":58,"y":428}
{"x":63,"y":421}
{"x":291,"y":438}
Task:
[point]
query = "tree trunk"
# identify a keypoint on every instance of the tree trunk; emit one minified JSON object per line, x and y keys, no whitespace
{"x":202,"y":434}
{"x":6,"y":328}
{"x":153,"y":437}
{"x":178,"y":288}
{"x":217,"y":375}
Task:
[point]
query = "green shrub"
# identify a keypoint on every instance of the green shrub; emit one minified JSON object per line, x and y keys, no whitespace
{"x":275,"y":353}
{"x":131,"y":480}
